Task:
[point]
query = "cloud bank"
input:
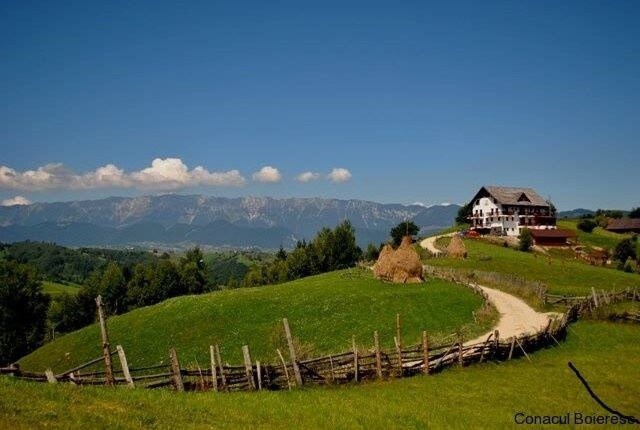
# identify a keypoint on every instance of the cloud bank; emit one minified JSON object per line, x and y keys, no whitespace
{"x":16,"y":201}
{"x":163,"y":174}
{"x":308,"y":177}
{"x":339,"y":174}
{"x":267,"y":174}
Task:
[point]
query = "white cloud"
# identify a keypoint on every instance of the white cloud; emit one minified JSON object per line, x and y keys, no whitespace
{"x":163,"y":174}
{"x":307,"y":177}
{"x":16,"y":201}
{"x":267,"y":174}
{"x":339,"y":174}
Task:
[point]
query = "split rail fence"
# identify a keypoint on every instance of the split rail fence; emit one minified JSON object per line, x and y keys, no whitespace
{"x":350,"y":366}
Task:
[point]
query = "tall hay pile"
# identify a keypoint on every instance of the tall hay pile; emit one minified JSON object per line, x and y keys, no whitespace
{"x":456,"y":248}
{"x":402,"y":265}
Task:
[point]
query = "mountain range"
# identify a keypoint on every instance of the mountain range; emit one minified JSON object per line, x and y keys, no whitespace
{"x":184,"y":220}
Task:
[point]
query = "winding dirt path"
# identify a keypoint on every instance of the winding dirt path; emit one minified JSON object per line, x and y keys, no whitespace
{"x":516,"y":317}
{"x":430,"y":244}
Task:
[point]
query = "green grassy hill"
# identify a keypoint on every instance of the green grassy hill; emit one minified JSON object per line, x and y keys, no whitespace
{"x":324,"y":312}
{"x":599,"y":237}
{"x":55,"y":288}
{"x":482,"y":396}
{"x":561,"y":275}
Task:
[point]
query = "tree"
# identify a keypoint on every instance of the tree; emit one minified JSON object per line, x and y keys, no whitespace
{"x":371,"y":253}
{"x":587,"y":225}
{"x":113,"y":288}
{"x":526,"y":240}
{"x":193,"y":271}
{"x":23,"y":311}
{"x":403,"y":229}
{"x":552,"y":208}
{"x":635,"y":213}
{"x":464,"y":213}
{"x":625,"y":249}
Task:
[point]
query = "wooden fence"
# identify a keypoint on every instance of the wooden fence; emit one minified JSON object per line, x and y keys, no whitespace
{"x":346,"y":367}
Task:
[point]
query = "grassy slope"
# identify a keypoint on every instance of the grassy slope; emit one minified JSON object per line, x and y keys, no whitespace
{"x":599,"y":237}
{"x":56,"y":289}
{"x":324,"y":312}
{"x":481,"y":396}
{"x":562,"y":276}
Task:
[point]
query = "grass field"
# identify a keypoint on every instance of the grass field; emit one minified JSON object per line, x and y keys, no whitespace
{"x":599,"y":237}
{"x":55,"y":288}
{"x":324,"y":312}
{"x":562,"y":276}
{"x":481,"y":396}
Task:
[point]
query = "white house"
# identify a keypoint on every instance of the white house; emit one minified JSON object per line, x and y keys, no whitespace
{"x":504,"y":211}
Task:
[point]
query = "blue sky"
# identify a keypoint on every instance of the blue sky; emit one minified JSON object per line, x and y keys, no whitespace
{"x":417,"y":101}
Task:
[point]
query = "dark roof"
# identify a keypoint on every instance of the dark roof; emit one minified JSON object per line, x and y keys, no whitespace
{"x":514,"y":195}
{"x":624,"y":224}
{"x":536,"y":233}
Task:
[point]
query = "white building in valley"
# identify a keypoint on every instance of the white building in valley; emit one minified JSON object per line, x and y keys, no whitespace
{"x":504,"y":211}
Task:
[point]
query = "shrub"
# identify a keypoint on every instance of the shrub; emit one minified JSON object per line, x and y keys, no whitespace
{"x":635,"y":213}
{"x":526,"y":240}
{"x":625,"y":249}
{"x":587,"y":225}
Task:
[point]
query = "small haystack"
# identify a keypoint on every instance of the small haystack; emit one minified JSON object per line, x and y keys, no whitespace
{"x":402,"y":265}
{"x":456,"y":248}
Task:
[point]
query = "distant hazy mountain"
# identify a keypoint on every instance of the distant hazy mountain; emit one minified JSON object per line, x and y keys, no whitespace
{"x":575,"y":213}
{"x":214,"y":221}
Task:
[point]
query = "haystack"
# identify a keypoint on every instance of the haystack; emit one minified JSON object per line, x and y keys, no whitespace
{"x":401,"y":265}
{"x":456,"y":248}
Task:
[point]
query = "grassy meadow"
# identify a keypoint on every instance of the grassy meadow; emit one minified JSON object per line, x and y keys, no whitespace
{"x":479,"y":396}
{"x":561,"y":275}
{"x":324,"y":312}
{"x":599,"y":237}
{"x":55,"y":288}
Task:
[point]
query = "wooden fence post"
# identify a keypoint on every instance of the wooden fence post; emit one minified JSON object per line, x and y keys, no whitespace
{"x":259,"y":375}
{"x":399,"y":353}
{"x":247,"y":367}
{"x":176,"y":373}
{"x":214,"y":368}
{"x":398,"y":331}
{"x":50,"y":378}
{"x":292,"y":352}
{"x":595,"y":296}
{"x":223,"y":378}
{"x":106,"y":349}
{"x":460,"y":352}
{"x":376,"y":343}
{"x":125,"y":366}
{"x":355,"y":357}
{"x":425,"y":353}
{"x":284,"y":366}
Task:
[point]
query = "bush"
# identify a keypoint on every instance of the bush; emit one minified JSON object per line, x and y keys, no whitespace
{"x":526,"y":240}
{"x":372,"y":252}
{"x":587,"y":225}
{"x":635,"y":213}
{"x":625,"y":249}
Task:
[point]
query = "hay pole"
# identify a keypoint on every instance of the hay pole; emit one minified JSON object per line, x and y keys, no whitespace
{"x":125,"y":366}
{"x":286,"y":372}
{"x":292,"y":352}
{"x":525,"y":352}
{"x":513,"y":344}
{"x":376,"y":345}
{"x":106,"y":350}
